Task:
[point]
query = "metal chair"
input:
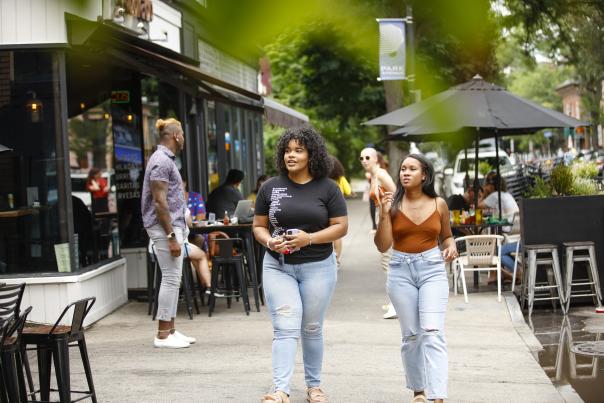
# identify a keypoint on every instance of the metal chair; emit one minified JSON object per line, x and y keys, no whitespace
{"x":52,"y":343}
{"x":483,"y":253}
{"x":8,"y":387}
{"x":11,"y":357}
{"x":10,"y":299}
{"x":530,"y":287}
{"x":587,"y":253}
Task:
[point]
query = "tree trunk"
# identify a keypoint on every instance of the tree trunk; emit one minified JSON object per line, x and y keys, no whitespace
{"x":394,"y":100}
{"x":394,"y":96}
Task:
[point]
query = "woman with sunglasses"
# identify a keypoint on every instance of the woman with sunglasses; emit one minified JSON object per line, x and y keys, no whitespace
{"x":380,"y":181}
{"x":414,"y":221}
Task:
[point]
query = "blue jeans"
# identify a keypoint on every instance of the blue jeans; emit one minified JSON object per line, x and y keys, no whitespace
{"x":507,"y":261}
{"x":419,"y":290}
{"x":298,"y":296}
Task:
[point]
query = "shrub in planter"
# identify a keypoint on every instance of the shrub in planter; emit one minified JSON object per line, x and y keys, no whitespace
{"x":583,"y":169}
{"x":584,"y":187}
{"x":561,"y":180}
{"x":540,"y":190}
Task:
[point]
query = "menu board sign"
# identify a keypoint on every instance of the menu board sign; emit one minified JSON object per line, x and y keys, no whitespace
{"x":128,"y":161}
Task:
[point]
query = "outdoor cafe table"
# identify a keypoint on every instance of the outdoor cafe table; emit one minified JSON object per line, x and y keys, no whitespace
{"x":244,"y":231}
{"x":477,"y":229}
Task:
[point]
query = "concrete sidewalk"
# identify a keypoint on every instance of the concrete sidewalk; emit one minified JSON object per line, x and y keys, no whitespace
{"x":489,"y":360}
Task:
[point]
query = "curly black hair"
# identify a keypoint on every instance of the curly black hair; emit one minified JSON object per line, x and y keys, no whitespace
{"x":319,"y":163}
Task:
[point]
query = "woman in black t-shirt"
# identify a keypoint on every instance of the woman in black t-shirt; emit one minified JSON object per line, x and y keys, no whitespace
{"x":298,"y":215}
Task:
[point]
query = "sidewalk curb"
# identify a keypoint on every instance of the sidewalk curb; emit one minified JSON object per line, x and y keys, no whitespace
{"x":567,"y":392}
{"x":523,"y":330}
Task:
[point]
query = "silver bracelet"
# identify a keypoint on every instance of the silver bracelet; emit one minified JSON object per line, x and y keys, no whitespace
{"x":267,"y":244}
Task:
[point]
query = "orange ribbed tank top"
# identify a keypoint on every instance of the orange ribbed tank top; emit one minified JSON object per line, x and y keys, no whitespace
{"x":415,"y":238}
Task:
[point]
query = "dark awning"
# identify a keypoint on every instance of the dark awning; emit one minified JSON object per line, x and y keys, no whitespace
{"x":281,"y":115}
{"x":114,"y":39}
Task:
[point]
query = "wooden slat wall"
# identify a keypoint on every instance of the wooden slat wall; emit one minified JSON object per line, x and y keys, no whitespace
{"x":41,"y":21}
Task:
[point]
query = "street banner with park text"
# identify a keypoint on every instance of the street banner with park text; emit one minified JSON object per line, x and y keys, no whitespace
{"x":392,"y":48}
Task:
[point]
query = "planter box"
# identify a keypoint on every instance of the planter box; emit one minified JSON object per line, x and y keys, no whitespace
{"x":565,"y":219}
{"x":49,"y":295}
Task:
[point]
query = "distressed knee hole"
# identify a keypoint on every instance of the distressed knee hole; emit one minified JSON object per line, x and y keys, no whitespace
{"x":432,"y":331}
{"x":410,"y":338}
{"x":284,"y":310}
{"x":312,"y":329}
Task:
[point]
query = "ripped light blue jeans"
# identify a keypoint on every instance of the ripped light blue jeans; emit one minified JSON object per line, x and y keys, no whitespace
{"x":298,"y":296}
{"x":419,"y":290}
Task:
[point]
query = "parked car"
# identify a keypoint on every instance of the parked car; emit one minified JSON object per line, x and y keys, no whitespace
{"x":454,"y":177}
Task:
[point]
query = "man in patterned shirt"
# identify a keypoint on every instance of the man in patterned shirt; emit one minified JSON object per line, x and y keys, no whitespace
{"x":163,"y":209}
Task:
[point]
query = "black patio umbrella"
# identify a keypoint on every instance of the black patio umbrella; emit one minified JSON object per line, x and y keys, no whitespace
{"x":472,"y":110}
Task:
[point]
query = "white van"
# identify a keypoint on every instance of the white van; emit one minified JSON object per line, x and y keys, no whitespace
{"x":454,"y":178}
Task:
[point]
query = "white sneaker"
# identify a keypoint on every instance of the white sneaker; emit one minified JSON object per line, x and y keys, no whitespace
{"x":180,"y":336}
{"x":170,"y":342}
{"x":216,"y":294}
{"x":391,"y":313}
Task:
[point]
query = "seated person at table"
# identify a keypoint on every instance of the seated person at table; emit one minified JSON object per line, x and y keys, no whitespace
{"x":197,"y":209}
{"x":199,"y":259}
{"x":508,"y":208}
{"x":195,"y":203}
{"x":489,"y":199}
{"x":225,"y":197}
{"x":462,"y":202}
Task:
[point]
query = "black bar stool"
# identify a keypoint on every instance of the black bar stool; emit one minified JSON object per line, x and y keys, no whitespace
{"x":52,"y":344}
{"x":223,"y":265}
{"x":11,"y":357}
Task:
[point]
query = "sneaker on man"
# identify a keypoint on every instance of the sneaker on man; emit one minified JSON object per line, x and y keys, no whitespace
{"x":216,"y":293}
{"x":391,"y":313}
{"x":179,"y":335}
{"x":170,"y":342}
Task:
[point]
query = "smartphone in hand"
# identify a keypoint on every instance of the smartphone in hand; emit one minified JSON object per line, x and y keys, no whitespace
{"x":292,"y":232}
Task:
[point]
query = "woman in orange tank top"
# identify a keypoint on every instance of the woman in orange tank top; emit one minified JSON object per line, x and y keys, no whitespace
{"x":415,"y":222}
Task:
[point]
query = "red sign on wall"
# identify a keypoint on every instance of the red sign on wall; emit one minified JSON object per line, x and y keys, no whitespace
{"x":120,"y":97}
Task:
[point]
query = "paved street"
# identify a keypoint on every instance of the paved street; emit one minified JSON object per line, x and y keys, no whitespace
{"x":489,"y":360}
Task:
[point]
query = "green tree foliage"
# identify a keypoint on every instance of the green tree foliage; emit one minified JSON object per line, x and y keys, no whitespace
{"x":569,"y":31}
{"x":328,"y":67}
{"x":537,"y":82}
{"x":316,"y":70}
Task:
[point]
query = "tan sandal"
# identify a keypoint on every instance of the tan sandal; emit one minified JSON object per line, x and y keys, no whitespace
{"x":419,"y":399}
{"x":277,"y":397}
{"x":316,"y":395}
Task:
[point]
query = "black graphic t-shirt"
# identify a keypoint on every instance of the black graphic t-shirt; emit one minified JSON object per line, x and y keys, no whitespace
{"x":307,"y":207}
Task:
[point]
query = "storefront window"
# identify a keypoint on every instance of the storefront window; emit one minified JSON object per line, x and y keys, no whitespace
{"x":33,"y":204}
{"x":93,"y":187}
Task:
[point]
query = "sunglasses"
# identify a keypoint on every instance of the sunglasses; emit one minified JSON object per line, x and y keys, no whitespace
{"x":367,"y":158}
